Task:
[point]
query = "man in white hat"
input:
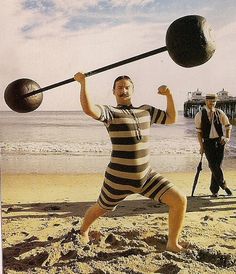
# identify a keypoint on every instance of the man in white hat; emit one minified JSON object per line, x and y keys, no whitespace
{"x":210,"y":124}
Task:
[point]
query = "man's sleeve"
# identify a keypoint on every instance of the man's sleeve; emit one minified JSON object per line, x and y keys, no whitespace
{"x":197,"y":120}
{"x":106,"y":114}
{"x":158,"y":116}
{"x":225,"y":120}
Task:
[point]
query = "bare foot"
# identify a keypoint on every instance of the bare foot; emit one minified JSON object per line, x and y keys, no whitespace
{"x":183,"y":246}
{"x":84,"y":237}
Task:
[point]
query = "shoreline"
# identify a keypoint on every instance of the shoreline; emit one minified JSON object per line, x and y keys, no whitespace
{"x":77,"y":164}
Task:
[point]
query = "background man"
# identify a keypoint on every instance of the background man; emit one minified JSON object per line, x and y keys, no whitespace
{"x":209,"y":125}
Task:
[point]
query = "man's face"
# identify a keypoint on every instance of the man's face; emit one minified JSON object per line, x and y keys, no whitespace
{"x":123,"y":91}
{"x":211,"y":103}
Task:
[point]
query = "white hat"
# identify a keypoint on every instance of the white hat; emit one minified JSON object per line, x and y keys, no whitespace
{"x":211,"y":96}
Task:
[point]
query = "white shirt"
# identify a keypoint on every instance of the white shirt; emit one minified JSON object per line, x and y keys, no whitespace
{"x":224,"y":120}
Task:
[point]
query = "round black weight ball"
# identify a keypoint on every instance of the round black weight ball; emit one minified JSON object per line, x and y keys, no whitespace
{"x":14,"y":95}
{"x":189,"y":41}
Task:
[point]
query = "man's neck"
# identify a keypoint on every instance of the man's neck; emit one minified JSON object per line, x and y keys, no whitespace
{"x":211,"y":109}
{"x":124,"y":103}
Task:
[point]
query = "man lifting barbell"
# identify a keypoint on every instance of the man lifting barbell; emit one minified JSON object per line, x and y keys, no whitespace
{"x":129,"y":170}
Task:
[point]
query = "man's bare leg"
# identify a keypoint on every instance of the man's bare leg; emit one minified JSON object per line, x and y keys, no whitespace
{"x":177,"y":203}
{"x":91,"y":215}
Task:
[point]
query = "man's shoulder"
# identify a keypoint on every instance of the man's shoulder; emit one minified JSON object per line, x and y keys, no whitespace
{"x":106,"y":106}
{"x":145,"y":106}
{"x":202,"y":110}
{"x":199,"y":113}
{"x":220,"y":111}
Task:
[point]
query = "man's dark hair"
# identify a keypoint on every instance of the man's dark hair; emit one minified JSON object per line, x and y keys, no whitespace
{"x":122,"y":77}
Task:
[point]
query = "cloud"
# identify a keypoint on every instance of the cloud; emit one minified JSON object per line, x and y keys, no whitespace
{"x":117,"y":3}
{"x":71,"y":16}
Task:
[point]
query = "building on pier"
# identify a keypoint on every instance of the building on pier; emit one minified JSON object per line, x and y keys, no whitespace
{"x":196,"y":100}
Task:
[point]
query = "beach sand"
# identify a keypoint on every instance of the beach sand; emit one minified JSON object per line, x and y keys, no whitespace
{"x":41,"y":215}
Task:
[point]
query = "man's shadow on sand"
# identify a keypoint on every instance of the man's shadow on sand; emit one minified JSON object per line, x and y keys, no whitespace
{"x":126,"y":208}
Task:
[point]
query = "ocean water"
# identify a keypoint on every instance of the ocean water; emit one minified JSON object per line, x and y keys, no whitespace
{"x":71,"y":142}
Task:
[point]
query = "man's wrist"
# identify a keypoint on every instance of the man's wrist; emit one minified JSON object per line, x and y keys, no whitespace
{"x":169,"y":94}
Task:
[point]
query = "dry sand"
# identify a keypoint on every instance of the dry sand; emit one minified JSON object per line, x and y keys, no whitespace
{"x":41,"y":215}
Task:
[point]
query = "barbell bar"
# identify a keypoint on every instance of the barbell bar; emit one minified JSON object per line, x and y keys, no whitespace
{"x":99,"y":70}
{"x":189,"y":43}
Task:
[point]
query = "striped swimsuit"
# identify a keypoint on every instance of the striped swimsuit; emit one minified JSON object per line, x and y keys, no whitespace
{"x":129,"y":170}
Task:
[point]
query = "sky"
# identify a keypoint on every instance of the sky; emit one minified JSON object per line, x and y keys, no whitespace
{"x":48,"y":41}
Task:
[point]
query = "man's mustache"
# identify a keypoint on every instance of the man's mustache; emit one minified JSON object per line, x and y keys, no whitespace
{"x":124,"y":95}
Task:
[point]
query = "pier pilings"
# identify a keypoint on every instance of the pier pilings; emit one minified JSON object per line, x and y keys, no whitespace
{"x":191,"y":107}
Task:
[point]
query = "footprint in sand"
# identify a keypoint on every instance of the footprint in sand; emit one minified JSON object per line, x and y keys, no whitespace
{"x":112,"y":240}
{"x":170,"y":268}
{"x":229,"y":235}
{"x":31,"y":239}
{"x":212,"y":256}
{"x":52,"y":207}
{"x":72,"y":254}
{"x":14,"y":209}
{"x":208,"y":218}
{"x":35,"y":260}
{"x":228,"y":246}
{"x":25,"y":233}
{"x":223,"y":219}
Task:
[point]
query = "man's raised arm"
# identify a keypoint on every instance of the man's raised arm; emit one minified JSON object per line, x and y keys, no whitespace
{"x":170,"y":109}
{"x":86,"y":102}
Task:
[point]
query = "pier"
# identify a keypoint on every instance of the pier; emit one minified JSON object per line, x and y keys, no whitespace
{"x":196,"y":101}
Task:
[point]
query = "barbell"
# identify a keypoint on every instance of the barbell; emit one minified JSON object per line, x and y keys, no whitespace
{"x":189,"y":43}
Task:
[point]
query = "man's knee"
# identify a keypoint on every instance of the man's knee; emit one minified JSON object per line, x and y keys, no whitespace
{"x":97,"y":210}
{"x":183,"y":200}
{"x":180,"y":201}
{"x":174,"y":198}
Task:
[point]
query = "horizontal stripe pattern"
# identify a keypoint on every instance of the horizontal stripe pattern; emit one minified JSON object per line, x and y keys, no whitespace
{"x":128,"y":175}
{"x":126,"y":162}
{"x":124,"y":180}
{"x":159,"y":117}
{"x":132,"y":147}
{"x":129,"y":120}
{"x":129,"y":140}
{"x":130,"y":154}
{"x":129,"y":170}
{"x":113,"y":193}
{"x":116,"y":127}
{"x":127,"y":133}
{"x":118,"y":188}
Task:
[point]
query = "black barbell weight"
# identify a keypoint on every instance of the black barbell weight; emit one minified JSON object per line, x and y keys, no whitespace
{"x":15,"y":95}
{"x":188,"y":41}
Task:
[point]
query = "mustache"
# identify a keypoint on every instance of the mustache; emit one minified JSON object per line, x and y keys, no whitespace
{"x":124,"y":95}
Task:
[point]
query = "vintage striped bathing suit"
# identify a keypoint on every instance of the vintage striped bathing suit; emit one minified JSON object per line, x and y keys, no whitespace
{"x":129,"y":170}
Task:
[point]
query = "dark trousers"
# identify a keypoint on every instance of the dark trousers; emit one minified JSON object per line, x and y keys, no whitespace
{"x":214,"y":152}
